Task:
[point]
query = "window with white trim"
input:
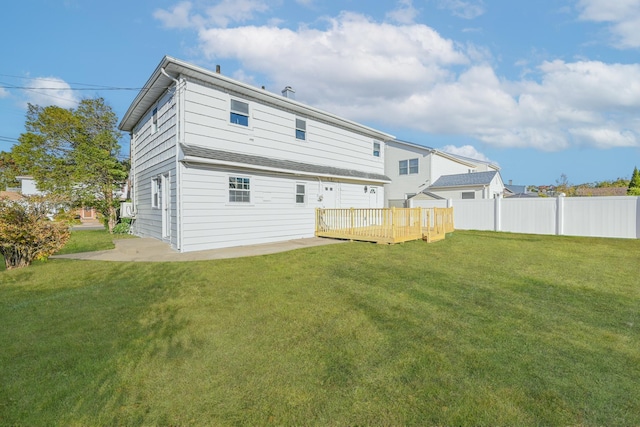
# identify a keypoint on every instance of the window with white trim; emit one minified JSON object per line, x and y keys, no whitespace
{"x":154,"y":121}
{"x":408,"y":167}
{"x":239,"y":113}
{"x":301,"y":129}
{"x":376,"y":149}
{"x":300,"y":194}
{"x":239,"y":189}
{"x":413,"y":166}
{"x":468,"y":194}
{"x":155,"y":192}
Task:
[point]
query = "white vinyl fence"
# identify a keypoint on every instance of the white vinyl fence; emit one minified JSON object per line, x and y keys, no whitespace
{"x":571,"y":216}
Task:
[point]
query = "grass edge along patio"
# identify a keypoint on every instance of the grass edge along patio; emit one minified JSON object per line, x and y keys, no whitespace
{"x":385,"y":225}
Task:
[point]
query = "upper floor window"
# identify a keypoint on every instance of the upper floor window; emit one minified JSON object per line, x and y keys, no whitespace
{"x":301,"y":129}
{"x":239,"y":189}
{"x":239,"y":113}
{"x":376,"y":149}
{"x":408,"y":166}
{"x":154,"y":121}
{"x":300,"y":193}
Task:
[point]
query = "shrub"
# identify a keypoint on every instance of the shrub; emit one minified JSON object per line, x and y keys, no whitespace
{"x":26,"y":233}
{"x":122,"y":228}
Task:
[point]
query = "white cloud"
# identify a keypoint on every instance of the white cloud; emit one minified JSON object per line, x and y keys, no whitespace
{"x":408,"y":75}
{"x":176,"y":17}
{"x":3,"y":93}
{"x":466,"y":151}
{"x":623,"y":17}
{"x":463,"y":9}
{"x":51,"y":91}
{"x":223,"y":13}
{"x":405,"y":13}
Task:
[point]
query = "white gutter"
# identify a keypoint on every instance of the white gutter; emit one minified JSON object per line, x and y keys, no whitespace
{"x":200,"y":160}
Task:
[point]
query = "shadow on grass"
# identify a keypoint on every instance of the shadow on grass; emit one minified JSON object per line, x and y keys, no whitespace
{"x":91,"y":333}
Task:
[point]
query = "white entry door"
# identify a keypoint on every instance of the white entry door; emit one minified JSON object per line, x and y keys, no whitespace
{"x":373,"y":197}
{"x":165,"y":200}
{"x":329,"y":197}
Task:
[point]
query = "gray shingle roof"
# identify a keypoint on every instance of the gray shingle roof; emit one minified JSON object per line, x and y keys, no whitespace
{"x":288,"y":165}
{"x":464,"y":179}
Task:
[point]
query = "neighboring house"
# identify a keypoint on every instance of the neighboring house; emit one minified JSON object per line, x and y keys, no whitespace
{"x":218,"y":163}
{"x":28,"y":186}
{"x":474,"y":185}
{"x":414,"y":170}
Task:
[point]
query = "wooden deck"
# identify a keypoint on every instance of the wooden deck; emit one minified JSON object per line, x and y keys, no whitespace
{"x":385,"y":225}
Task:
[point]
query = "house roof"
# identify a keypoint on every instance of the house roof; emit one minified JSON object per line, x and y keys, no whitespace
{"x":466,"y":160}
{"x":430,"y":195}
{"x":11,"y":195}
{"x":464,"y":180}
{"x":515,"y":189}
{"x":171,"y":68}
{"x":198,"y":154}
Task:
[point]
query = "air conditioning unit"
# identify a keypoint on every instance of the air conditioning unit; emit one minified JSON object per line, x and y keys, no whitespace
{"x":126,"y":210}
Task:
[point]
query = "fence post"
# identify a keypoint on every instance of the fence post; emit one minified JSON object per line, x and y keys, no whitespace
{"x":497,"y":213}
{"x":560,"y":214}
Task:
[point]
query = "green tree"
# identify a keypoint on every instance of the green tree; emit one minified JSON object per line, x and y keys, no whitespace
{"x":634,"y":183}
{"x":26,"y":234}
{"x":8,"y":171}
{"x":74,"y":152}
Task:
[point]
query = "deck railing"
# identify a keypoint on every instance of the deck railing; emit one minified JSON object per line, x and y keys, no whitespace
{"x":384,"y":225}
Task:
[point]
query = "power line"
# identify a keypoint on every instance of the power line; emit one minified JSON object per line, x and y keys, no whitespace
{"x":70,"y":88}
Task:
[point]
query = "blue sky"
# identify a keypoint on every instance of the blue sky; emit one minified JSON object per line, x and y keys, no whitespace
{"x":542,"y":88}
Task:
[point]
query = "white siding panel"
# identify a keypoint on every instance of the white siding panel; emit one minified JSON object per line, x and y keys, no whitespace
{"x":210,"y":221}
{"x":271,"y":133}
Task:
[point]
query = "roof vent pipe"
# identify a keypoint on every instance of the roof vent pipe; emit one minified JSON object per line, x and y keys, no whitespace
{"x":218,"y":69}
{"x":288,"y":92}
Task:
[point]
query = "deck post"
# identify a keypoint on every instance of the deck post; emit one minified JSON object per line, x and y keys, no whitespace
{"x":393,"y":224}
{"x":352,"y":213}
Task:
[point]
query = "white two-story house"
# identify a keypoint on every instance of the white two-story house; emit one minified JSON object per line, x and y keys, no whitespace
{"x":218,"y":163}
{"x":417,"y":171}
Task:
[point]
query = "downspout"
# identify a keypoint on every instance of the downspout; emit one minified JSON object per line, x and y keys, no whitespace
{"x":132,"y":175}
{"x":177,"y":163}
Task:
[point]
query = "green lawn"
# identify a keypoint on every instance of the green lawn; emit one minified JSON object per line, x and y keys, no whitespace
{"x":480,"y":329}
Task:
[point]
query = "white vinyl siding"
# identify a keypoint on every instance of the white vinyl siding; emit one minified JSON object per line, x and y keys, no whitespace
{"x":270,"y":133}
{"x":210,"y":221}
{"x":154,"y":156}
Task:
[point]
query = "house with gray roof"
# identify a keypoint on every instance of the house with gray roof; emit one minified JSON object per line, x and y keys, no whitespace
{"x":420,"y":172}
{"x":473,"y":185}
{"x":218,"y":163}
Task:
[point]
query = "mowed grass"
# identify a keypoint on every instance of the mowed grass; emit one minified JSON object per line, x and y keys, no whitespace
{"x":480,"y":329}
